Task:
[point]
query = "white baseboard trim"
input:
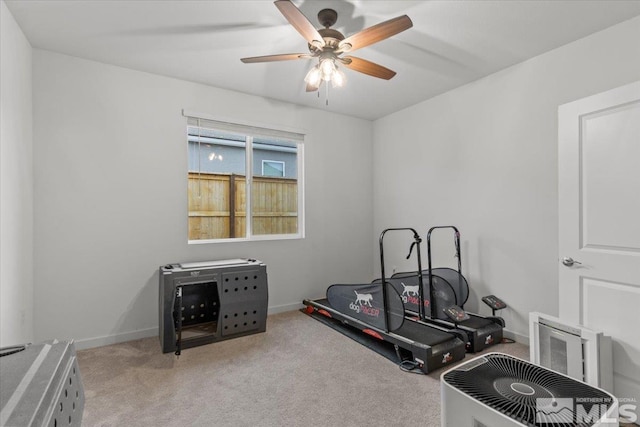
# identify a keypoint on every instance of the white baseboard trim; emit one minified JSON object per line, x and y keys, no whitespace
{"x":519,"y":338}
{"x":284,"y":307}
{"x":115,"y":338}
{"x":146,"y":333}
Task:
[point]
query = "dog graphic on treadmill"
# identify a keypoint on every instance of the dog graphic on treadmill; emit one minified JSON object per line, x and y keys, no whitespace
{"x":363,"y":299}
{"x":410,"y":290}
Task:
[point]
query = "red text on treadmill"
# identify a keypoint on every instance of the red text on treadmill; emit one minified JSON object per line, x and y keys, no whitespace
{"x":365,"y":309}
{"x":408,"y":299}
{"x":370,"y":311}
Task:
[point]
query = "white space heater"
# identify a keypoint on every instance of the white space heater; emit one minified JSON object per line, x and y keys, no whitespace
{"x":499,"y":390}
{"x":573,"y":350}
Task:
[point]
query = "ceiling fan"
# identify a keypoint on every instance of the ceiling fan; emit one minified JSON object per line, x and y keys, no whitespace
{"x":328,"y":45}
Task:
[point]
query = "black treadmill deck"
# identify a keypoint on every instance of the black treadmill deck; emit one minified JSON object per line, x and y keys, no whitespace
{"x":432,"y":348}
{"x":420,"y":334}
{"x":482,"y":332}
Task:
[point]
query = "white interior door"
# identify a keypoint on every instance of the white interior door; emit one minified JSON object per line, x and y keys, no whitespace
{"x":599,"y":190}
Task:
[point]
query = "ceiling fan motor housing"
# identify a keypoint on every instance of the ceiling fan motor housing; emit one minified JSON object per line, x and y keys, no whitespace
{"x":331,"y":37}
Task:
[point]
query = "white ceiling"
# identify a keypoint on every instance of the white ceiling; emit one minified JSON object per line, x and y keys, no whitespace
{"x":450,"y":44}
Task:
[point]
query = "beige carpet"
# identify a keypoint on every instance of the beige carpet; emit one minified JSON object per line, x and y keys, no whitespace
{"x":298,"y":373}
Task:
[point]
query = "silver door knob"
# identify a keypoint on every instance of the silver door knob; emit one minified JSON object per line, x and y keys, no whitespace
{"x":569,"y":261}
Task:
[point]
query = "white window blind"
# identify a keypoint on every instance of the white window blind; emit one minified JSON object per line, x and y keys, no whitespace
{"x":243,"y":129}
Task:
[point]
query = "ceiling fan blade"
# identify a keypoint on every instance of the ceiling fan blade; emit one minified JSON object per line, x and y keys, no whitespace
{"x":374,"y":34}
{"x":367,"y":67}
{"x":300,"y":22}
{"x":272,"y":58}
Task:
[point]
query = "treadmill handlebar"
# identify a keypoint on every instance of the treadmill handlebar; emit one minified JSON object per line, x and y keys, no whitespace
{"x":416,"y":242}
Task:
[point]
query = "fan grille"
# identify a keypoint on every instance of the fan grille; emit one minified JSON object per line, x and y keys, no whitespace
{"x":512,"y":387}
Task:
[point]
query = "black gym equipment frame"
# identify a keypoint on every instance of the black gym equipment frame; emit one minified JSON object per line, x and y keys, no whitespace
{"x":426,"y":347}
{"x":481,"y":331}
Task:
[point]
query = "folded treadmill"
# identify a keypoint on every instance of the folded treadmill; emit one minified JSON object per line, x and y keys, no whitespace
{"x":444,"y":297}
{"x":378,"y":311}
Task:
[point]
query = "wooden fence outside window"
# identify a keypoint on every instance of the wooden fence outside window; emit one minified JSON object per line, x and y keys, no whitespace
{"x":217,"y":206}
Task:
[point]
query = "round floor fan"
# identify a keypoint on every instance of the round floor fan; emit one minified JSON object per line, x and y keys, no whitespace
{"x":329,"y":45}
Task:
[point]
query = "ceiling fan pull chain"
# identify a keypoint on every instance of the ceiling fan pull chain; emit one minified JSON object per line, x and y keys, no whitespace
{"x":326,"y":94}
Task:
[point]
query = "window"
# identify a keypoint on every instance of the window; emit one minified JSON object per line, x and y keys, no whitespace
{"x":272,"y":168}
{"x":244,"y":182}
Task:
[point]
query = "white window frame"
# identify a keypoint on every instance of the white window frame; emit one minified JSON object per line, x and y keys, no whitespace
{"x":284,"y":171}
{"x":250,"y":131}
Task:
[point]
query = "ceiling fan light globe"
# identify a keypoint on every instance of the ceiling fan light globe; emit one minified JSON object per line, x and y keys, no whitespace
{"x":314,"y":76}
{"x":339,"y":78}
{"x":328,"y":67}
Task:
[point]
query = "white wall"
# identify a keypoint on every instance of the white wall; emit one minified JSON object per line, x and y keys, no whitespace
{"x":483,"y":157}
{"x":16,"y":184}
{"x":111,"y":204}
